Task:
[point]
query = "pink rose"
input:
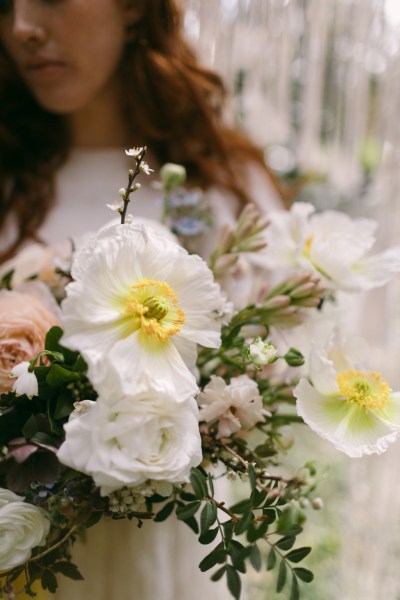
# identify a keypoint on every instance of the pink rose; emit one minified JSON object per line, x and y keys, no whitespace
{"x":24,"y":322}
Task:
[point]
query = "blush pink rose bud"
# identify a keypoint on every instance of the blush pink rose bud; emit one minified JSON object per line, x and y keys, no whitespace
{"x":24,"y":322}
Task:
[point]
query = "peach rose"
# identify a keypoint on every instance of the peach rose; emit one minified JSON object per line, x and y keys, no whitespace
{"x":24,"y":322}
{"x":39,"y":261}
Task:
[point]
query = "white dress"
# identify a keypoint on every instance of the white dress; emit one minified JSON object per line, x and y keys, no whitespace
{"x":120,"y":561}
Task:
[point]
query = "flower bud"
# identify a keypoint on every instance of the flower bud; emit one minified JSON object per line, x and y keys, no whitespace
{"x":172,"y":175}
{"x":317,"y":504}
{"x":262,"y":353}
{"x":294,"y":358}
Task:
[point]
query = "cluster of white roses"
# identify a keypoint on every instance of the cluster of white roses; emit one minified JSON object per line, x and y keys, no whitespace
{"x":136,"y":310}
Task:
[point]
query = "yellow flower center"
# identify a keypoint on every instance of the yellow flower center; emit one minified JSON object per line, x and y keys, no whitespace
{"x":307,"y":245}
{"x":153,"y":308}
{"x":366,"y":388}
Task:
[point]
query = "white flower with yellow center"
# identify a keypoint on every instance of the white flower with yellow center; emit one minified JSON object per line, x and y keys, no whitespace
{"x":331,"y":245}
{"x":354,"y":409}
{"x":139,"y":304}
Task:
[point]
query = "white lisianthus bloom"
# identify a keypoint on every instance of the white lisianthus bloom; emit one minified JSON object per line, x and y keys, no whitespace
{"x":22,"y":528}
{"x":235,"y":406}
{"x":354,"y":409}
{"x":139,"y":305}
{"x":331,"y":245}
{"x":26,"y":382}
{"x":139,"y":437}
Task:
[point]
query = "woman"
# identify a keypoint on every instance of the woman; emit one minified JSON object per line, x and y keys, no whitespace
{"x":80,"y":81}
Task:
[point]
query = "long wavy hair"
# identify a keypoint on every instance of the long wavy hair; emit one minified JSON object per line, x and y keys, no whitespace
{"x":170,"y":100}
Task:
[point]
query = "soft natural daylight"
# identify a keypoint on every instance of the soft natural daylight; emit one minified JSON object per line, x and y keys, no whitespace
{"x":199,"y":299}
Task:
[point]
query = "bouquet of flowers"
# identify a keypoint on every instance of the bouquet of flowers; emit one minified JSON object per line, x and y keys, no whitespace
{"x":130,"y":382}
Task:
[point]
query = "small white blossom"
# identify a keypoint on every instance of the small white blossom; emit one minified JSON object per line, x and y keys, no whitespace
{"x":116,"y":205}
{"x":235,"y":406}
{"x":262,"y":353}
{"x":135,"y":152}
{"x":26,"y":382}
{"x":144,"y":167}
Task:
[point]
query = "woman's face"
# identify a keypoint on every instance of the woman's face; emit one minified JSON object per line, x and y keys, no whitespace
{"x":66,"y":51}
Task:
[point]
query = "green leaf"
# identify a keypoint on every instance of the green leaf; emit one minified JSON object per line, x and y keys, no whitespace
{"x":255,"y":558}
{"x":49,"y":581}
{"x":233,"y":580}
{"x":68,"y":569}
{"x":295,"y":593}
{"x":211,"y":484}
{"x":241,"y":507}
{"x":228,"y":530}
{"x":252,"y":477}
{"x":298,"y":554}
{"x":208,"y":516}
{"x":218,"y":574}
{"x":304,"y":574}
{"x":257,"y":497}
{"x":271,"y":560}
{"x":270,"y":513}
{"x":264,"y":451}
{"x":238,"y":553}
{"x":244,"y":523}
{"x":280,"y":584}
{"x":218,"y":555}
{"x":58,"y":376}
{"x":254,"y":532}
{"x":187,"y":510}
{"x":192,"y":523}
{"x":286,"y":542}
{"x":6,"y":280}
{"x":199,"y":484}
{"x":43,"y":439}
{"x":93,"y":519}
{"x":164,"y":513}
{"x":64,"y":407}
{"x":187,"y":496}
{"x":53,"y":337}
{"x":208,"y":536}
{"x":30,"y":427}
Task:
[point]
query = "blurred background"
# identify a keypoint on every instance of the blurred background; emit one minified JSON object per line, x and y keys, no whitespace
{"x":316,"y":83}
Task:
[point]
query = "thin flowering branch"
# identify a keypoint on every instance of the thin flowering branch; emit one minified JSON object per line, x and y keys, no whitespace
{"x":138,"y":154}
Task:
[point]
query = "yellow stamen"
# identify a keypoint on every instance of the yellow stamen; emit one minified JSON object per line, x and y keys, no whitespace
{"x":153,"y":308}
{"x":308,"y":243}
{"x":366,"y":388}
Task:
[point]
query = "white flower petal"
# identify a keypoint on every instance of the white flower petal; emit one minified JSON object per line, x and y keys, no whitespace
{"x":351,"y":429}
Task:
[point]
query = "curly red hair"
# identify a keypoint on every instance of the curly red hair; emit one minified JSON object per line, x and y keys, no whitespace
{"x":171,"y":101}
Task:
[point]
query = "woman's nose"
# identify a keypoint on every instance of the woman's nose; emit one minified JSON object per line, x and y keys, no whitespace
{"x":28,"y":25}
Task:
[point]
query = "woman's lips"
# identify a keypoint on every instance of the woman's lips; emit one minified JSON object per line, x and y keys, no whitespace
{"x":43,"y":68}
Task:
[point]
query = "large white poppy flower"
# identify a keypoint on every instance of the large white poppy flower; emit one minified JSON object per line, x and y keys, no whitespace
{"x":139,"y":304}
{"x":330,"y":244}
{"x":140,"y":437}
{"x":354,"y":409}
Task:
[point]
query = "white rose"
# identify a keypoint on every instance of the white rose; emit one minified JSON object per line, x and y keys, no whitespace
{"x":22,"y":528}
{"x":143,"y":436}
{"x":235,"y":406}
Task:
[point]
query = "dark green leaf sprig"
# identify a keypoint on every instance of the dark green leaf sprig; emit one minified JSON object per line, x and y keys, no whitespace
{"x":238,"y":530}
